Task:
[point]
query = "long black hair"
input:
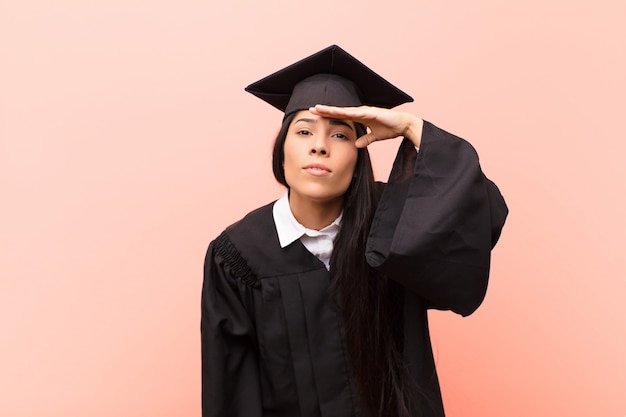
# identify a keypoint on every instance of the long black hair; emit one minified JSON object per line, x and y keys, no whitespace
{"x":369,"y":303}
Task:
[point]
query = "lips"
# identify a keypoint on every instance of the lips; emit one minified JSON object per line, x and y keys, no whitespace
{"x":317,"y":169}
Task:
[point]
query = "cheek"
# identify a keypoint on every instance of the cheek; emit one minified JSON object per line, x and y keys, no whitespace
{"x":349,"y":162}
{"x":288,"y":153}
{"x":345,"y":174}
{"x":290,"y":160}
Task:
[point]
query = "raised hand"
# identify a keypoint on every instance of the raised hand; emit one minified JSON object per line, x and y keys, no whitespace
{"x":382,"y":123}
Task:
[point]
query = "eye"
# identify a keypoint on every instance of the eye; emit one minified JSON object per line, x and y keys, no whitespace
{"x":341,"y":136}
{"x":303,"y":132}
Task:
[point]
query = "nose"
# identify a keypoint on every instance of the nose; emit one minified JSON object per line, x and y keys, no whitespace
{"x":319,"y":147}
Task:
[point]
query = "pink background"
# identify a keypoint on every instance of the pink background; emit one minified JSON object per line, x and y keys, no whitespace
{"x":127,"y":143}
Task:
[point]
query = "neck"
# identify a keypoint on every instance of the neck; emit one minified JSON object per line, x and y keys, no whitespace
{"x":315,"y":214}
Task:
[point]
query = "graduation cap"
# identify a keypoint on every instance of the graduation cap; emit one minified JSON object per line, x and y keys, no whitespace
{"x":331,"y":76}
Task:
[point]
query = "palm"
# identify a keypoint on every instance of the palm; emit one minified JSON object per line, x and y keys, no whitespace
{"x":382,"y":123}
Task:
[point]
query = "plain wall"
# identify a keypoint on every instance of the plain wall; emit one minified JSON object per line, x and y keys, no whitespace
{"x":127,"y":144}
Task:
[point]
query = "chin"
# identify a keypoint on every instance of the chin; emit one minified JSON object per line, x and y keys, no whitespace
{"x":320,"y":196}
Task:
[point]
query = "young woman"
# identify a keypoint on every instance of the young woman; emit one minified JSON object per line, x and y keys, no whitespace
{"x":315,"y":305}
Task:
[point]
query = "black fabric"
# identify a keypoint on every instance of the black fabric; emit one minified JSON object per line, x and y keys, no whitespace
{"x":438,"y":241}
{"x":331,"y":76}
{"x":272,"y":345}
{"x":328,"y":89}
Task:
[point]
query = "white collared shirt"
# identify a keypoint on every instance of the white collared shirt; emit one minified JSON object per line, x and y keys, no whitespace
{"x":318,"y":242}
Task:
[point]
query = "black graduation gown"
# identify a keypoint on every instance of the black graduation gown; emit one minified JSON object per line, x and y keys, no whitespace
{"x":272,"y":342}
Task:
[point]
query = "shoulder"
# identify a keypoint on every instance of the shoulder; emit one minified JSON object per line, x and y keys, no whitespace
{"x":250,"y":231}
{"x":244,"y":236}
{"x":253,"y":242}
{"x":245,"y":245}
{"x":257,"y":220}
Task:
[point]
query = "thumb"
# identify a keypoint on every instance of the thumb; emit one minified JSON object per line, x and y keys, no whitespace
{"x":365,"y":140}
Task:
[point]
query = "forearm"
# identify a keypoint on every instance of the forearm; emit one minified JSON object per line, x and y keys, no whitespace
{"x":437,"y":222}
{"x":413,"y":130}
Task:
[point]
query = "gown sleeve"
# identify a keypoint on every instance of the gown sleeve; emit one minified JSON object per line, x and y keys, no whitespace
{"x":437,"y":221}
{"x":230,"y":371}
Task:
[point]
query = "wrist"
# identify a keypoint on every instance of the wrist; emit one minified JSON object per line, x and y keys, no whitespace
{"x":413,"y":131}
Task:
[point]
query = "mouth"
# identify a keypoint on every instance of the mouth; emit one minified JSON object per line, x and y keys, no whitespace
{"x":317,"y":169}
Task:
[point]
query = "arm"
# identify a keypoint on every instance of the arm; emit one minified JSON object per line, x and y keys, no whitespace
{"x":439,"y":216}
{"x":437,"y":222}
{"x":230,"y":375}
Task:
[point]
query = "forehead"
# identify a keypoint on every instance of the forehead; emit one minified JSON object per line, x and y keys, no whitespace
{"x":305,"y":116}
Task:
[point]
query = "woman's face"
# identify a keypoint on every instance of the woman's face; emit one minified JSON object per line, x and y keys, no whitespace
{"x":320,"y":157}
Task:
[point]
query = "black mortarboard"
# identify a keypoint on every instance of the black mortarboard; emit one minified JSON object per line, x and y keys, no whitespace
{"x":331,"y":76}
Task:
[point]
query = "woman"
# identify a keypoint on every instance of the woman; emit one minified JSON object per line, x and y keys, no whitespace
{"x":315,"y":305}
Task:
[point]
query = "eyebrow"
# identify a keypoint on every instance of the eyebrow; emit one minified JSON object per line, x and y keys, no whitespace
{"x":335,"y":122}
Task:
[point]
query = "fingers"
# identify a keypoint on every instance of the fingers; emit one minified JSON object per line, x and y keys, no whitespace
{"x":382,"y":123}
{"x":353,"y":113}
{"x":365,"y":140}
{"x":357,"y":114}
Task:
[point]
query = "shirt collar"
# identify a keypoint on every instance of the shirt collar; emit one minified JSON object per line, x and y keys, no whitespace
{"x":288,"y":228}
